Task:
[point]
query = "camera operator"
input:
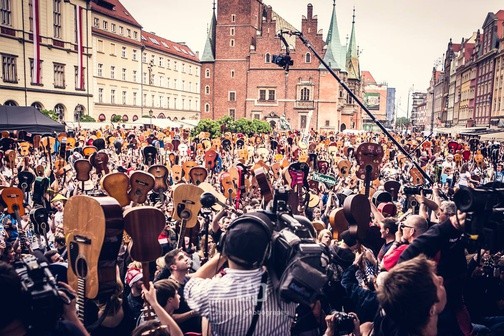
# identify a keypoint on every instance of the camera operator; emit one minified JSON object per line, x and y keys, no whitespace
{"x":340,"y":323}
{"x":243,"y":299}
{"x":16,"y":312}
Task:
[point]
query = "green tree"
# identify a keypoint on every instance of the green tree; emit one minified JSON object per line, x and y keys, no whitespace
{"x":116,"y":118}
{"x":51,"y":114}
{"x":87,"y":118}
{"x":207,"y":125}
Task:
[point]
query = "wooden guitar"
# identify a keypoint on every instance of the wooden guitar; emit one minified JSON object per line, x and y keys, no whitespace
{"x":39,"y":189}
{"x":99,"y":160}
{"x":149,"y":155}
{"x":39,"y":216}
{"x":160,"y":174}
{"x":93,"y":228}
{"x":176,"y":172}
{"x":198,"y":175}
{"x":141,"y":183}
{"x":186,"y":167}
{"x":13,"y":199}
{"x":210,"y":157}
{"x":186,"y":206}
{"x":116,"y":185}
{"x":83,"y":169}
{"x":143,"y":225}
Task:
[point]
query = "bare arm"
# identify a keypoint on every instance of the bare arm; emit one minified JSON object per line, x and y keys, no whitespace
{"x":164,"y":317}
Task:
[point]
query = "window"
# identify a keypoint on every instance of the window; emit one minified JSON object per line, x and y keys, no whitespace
{"x":305,"y":94}
{"x":152,"y":100}
{"x":256,"y":116}
{"x":59,"y":75}
{"x":175,"y":83}
{"x":144,"y":102}
{"x":327,"y":123}
{"x":135,"y":35}
{"x":134,"y":56}
{"x":183,"y":85}
{"x":168,"y":82}
{"x":207,"y":107}
{"x":112,"y":49}
{"x":100,"y":46}
{"x":207,"y":90}
{"x":232,"y":113}
{"x":100,"y":95}
{"x":30,"y":14}
{"x":134,"y":75}
{"x":124,"y":74}
{"x":161,"y":61}
{"x":100,"y":69}
{"x":56,"y":18}
{"x":302,"y":121}
{"x":271,"y":95}
{"x":175,"y":65}
{"x":232,"y":73}
{"x":233,"y":17}
{"x":128,"y":32}
{"x":161,"y":78}
{"x":121,"y":30}
{"x":112,"y":27}
{"x":183,"y":104}
{"x":232,"y":43}
{"x":267,"y":58}
{"x":308,"y":58}
{"x":168,"y":102}
{"x":96,"y":24}
{"x":232,"y":96}
{"x":168,"y":64}
{"x":134,"y":98}
{"x":190,"y":69}
{"x":5,"y":10}
{"x":124,"y":97}
{"x":175,"y":103}
{"x":207,"y":73}
{"x":183,"y":67}
{"x":144,"y":58}
{"x":9,"y":68}
{"x":145,"y":77}
{"x":105,"y":25}
{"x":33,"y":79}
{"x":232,"y":31}
{"x":112,"y":72}
{"x":112,"y":96}
{"x":262,"y":94}
{"x":267,"y":94}
{"x":123,"y":52}
{"x":77,"y":79}
{"x":160,"y":101}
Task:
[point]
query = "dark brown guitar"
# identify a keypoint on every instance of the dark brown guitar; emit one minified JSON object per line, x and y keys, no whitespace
{"x":116,"y":185}
{"x":186,"y":206}
{"x":141,"y":183}
{"x":99,"y":160}
{"x":143,"y":225}
{"x":83,"y":169}
{"x":197,"y":175}
{"x":160,"y":174}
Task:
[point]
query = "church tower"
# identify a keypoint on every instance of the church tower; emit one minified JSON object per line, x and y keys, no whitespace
{"x":208,"y":70}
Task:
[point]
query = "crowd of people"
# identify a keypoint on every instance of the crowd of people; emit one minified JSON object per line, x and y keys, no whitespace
{"x":428,"y":259}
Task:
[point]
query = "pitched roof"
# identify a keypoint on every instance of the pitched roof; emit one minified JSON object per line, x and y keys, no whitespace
{"x":114,"y":9}
{"x":338,"y":52}
{"x":367,"y":78}
{"x":209,"y":51}
{"x":159,"y":43}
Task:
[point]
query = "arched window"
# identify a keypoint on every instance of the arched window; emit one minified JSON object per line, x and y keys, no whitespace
{"x":59,"y":109}
{"x":161,"y":116}
{"x":232,"y":43}
{"x":125,"y":118}
{"x":343,"y":127}
{"x":207,"y":89}
{"x":207,"y":107}
{"x":305,"y":94}
{"x":308,"y":58}
{"x":78,"y":112}
{"x":135,"y":117}
{"x":38,"y":106}
{"x":207,"y":73}
{"x":10,"y":103}
{"x":267,"y":58}
{"x":102,"y":117}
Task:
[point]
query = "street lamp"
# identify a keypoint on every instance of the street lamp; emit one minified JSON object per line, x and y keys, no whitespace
{"x":150,"y":115}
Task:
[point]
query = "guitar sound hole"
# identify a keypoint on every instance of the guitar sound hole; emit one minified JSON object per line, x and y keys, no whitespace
{"x":81,"y":267}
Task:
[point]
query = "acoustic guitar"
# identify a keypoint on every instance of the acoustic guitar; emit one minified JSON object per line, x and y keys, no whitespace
{"x":13,"y":199}
{"x":160,"y":174}
{"x":116,"y":185}
{"x":149,"y":155}
{"x":99,"y":160}
{"x":83,"y":169}
{"x":186,"y":167}
{"x":197,"y":175}
{"x":207,"y":187}
{"x":39,"y":216}
{"x":186,"y":206}
{"x":210,"y":157}
{"x":141,"y":183}
{"x":93,"y":228}
{"x":176,"y":172}
{"x":144,"y":225}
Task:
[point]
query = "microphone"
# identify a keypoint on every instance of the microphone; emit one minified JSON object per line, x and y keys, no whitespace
{"x":208,"y":199}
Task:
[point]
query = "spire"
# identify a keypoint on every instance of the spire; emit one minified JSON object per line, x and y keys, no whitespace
{"x":209,"y":51}
{"x":352,"y":56}
{"x":335,"y":56}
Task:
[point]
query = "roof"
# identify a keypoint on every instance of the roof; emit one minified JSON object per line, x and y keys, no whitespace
{"x":27,"y":118}
{"x":115,"y":36}
{"x":159,"y":43}
{"x":367,"y":78}
{"x":114,"y":9}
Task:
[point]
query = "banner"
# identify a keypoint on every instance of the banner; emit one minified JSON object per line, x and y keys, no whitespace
{"x":327,"y":179}
{"x":36,"y":76}
{"x":372,"y":100}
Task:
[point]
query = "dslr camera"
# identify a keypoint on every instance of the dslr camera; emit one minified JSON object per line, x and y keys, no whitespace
{"x":343,"y":323}
{"x":40,"y":291}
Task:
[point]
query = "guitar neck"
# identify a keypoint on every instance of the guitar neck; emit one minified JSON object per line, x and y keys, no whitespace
{"x":180,"y":243}
{"x":81,"y":291}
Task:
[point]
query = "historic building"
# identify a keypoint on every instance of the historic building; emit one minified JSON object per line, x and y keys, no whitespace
{"x":375,"y":99}
{"x":46,"y":54}
{"x":497,"y":114}
{"x":240,"y":77}
{"x":138,"y":73}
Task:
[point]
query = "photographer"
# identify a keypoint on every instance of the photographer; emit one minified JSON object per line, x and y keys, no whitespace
{"x":242,"y":299}
{"x":339,"y":323}
{"x":18,"y":316}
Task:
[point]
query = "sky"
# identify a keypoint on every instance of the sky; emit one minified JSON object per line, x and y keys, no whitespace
{"x":400,"y":40}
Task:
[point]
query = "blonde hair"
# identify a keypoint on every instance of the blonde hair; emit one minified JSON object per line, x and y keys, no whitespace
{"x":322,"y":233}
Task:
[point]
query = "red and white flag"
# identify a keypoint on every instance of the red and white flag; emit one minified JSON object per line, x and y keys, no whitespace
{"x":36,"y":43}
{"x":80,"y":48}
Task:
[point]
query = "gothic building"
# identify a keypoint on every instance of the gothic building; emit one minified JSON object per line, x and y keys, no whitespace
{"x":240,"y":78}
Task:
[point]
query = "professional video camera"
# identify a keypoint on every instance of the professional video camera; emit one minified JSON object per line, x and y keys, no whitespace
{"x":282,"y":60}
{"x":484,"y":208}
{"x":39,"y":286}
{"x":416,"y":190}
{"x":297,"y":263}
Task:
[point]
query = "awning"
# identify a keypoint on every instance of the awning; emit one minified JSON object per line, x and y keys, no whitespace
{"x":497,"y":136}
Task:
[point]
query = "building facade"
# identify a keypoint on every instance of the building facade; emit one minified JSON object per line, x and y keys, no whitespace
{"x":240,"y":77}
{"x":46,"y":54}
{"x":391,"y":93}
{"x":375,"y":99}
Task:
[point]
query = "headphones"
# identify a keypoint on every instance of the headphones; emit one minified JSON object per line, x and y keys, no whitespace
{"x":259,"y":219}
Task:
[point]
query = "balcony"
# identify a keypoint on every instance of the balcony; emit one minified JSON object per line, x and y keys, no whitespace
{"x":304,"y":104}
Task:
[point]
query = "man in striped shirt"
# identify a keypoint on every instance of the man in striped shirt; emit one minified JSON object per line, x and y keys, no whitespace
{"x":229,"y":301}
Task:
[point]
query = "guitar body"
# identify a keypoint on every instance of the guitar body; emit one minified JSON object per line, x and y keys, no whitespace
{"x":149,"y":155}
{"x":207,"y":187}
{"x":87,"y":151}
{"x":13,"y":199}
{"x":210,"y":157}
{"x":338,"y":222}
{"x":26,"y":180}
{"x":186,"y":203}
{"x":160,"y":174}
{"x":99,"y":160}
{"x":93,"y":230}
{"x":264,"y":184}
{"x":143,"y":225}
{"x":198,"y":175}
{"x":186,"y":167}
{"x":39,"y":189}
{"x":82,"y":168}
{"x":141,"y":183}
{"x":116,"y":185}
{"x":176,"y":172}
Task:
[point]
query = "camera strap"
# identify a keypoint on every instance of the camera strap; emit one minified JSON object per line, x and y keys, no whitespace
{"x":258,"y":306}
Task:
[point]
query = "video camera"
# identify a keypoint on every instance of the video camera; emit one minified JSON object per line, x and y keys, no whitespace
{"x":484,"y":208}
{"x":40,"y":288}
{"x":282,"y":60}
{"x":416,"y":190}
